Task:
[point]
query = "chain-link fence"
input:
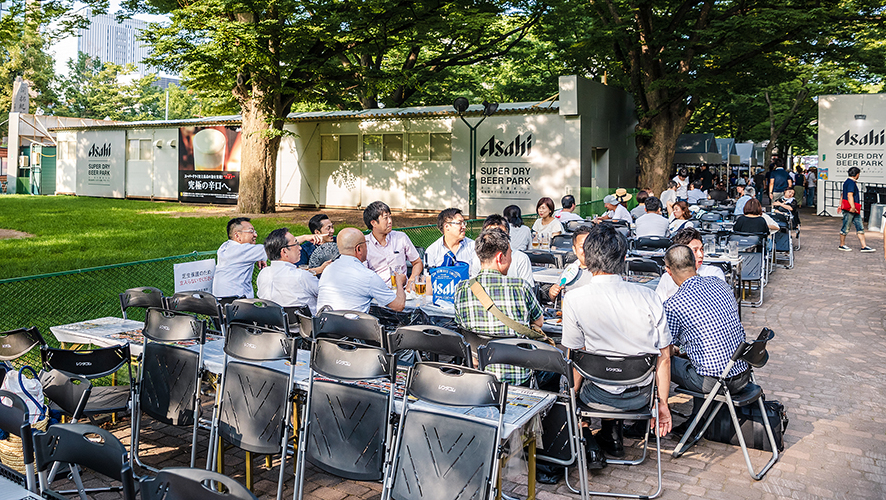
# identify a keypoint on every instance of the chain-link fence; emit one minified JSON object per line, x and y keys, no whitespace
{"x":60,"y":298}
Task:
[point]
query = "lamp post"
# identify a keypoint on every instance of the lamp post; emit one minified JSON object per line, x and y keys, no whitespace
{"x":461,"y":105}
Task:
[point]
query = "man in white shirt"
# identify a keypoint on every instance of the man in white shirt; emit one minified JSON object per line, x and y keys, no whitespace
{"x":236,"y":258}
{"x":388,"y":251}
{"x":282,"y":281}
{"x":653,"y":223}
{"x":520,"y":267}
{"x":567,"y":213}
{"x":348,"y":285}
{"x":669,"y":197}
{"x":453,"y":246}
{"x":682,"y":180}
{"x":692,"y":238}
{"x":612,"y":317}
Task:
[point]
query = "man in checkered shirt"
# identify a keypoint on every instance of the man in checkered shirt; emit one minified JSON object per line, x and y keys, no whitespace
{"x":703,"y":319}
{"x":512,"y":296}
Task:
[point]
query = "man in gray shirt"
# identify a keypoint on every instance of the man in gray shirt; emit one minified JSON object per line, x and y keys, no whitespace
{"x":653,"y":223}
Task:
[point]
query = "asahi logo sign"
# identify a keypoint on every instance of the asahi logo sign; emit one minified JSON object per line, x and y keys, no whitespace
{"x":497,"y":148}
{"x":98,"y":171}
{"x":871,"y":138}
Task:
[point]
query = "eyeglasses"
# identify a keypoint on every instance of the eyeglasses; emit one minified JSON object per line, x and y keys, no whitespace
{"x":291,"y":245}
{"x":253,"y":231}
{"x":458,"y":223}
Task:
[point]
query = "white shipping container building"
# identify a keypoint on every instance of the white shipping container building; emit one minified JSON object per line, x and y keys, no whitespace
{"x":411,"y":158}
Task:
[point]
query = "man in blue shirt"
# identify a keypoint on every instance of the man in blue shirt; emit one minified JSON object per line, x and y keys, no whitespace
{"x":704,"y":324}
{"x":748,"y":193}
{"x":851,"y":208}
{"x":779,"y":182}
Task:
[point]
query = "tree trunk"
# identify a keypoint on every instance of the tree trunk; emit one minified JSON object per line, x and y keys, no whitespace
{"x":656,"y":144}
{"x":260,"y":140}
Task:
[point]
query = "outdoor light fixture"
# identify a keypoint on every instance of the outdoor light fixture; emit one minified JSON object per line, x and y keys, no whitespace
{"x":461,"y":105}
{"x":861,"y":117}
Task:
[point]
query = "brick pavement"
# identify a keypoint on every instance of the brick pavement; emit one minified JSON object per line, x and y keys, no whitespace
{"x":829,"y":316}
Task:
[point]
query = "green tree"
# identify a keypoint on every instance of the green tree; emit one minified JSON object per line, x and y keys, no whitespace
{"x":676,"y":56}
{"x":267,"y":56}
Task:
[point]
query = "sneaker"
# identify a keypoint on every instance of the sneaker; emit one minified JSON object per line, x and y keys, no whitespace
{"x":867,"y":250}
{"x":845,"y":248}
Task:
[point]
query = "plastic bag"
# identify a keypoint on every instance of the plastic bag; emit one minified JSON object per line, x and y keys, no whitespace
{"x":29,"y":389}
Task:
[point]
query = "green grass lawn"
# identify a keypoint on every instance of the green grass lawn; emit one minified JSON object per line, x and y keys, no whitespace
{"x":76,"y":233}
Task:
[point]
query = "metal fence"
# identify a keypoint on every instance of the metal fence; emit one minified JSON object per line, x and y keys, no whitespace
{"x":59,"y":298}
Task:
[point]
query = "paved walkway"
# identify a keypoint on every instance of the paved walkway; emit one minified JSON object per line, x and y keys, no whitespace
{"x":829,"y":316}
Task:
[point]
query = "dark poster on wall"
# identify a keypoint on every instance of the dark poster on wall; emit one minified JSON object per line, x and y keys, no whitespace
{"x":209,"y":164}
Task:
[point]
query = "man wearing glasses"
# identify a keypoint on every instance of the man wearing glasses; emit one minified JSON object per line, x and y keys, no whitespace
{"x":347,"y":284}
{"x":237,"y":257}
{"x":282,"y":281}
{"x":453,"y":246}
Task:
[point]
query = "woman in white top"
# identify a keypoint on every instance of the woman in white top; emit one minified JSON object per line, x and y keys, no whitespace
{"x":679,"y":217}
{"x":521,"y":235}
{"x":546,"y":224}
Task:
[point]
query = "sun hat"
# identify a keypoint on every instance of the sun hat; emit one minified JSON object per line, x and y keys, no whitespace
{"x":622,"y":195}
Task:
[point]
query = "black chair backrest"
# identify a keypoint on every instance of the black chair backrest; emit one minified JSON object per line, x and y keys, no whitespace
{"x":183,"y":483}
{"x":305,"y":323}
{"x":651,"y":242}
{"x":144,"y":296}
{"x":746,"y":241}
{"x":169,"y":383}
{"x":14,"y":417}
{"x":780,"y":218}
{"x":68,"y":391}
{"x":572,"y":225}
{"x":710,"y":217}
{"x":350,"y":324}
{"x":254,"y":343}
{"x":530,"y":354}
{"x":196,"y":302}
{"x":641,"y":265}
{"x":613,"y":370}
{"x":431,"y":339}
{"x":253,"y":409}
{"x":93,"y":363}
{"x":541,"y":257}
{"x":345,"y":360}
{"x":754,"y":352}
{"x":86,"y":445}
{"x":454,"y":385}
{"x":258,"y":312}
{"x":562,"y":242}
{"x":15,"y":343}
{"x":171,"y":326}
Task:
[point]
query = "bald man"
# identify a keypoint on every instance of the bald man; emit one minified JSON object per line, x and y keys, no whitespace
{"x":347,"y":284}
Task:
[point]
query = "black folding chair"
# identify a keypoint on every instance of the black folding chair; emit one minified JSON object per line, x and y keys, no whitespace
{"x":349,"y":324}
{"x":651,"y":243}
{"x":624,"y":371}
{"x":562,"y":242}
{"x":752,"y":248}
{"x":257,"y":312}
{"x":541,"y":258}
{"x":441,"y":454}
{"x":253,"y":405}
{"x":168,"y":386}
{"x":94,"y":364}
{"x":202,"y":303}
{"x":301,"y":316}
{"x":563,"y":445}
{"x":14,"y":420}
{"x":346,"y":428}
{"x":182,"y":483}
{"x":84,"y":446}
{"x":141,"y":297}
{"x":572,"y":225}
{"x":783,"y":245}
{"x":18,"y":343}
{"x":754,"y":354}
{"x":431,"y":342}
{"x":640,"y":265}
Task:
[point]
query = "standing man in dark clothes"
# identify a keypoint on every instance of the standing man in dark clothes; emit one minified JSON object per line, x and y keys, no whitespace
{"x":707,"y":178}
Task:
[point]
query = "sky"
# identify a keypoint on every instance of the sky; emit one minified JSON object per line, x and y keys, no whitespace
{"x":66,"y":49}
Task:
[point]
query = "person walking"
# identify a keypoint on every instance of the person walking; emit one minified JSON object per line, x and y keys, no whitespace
{"x":851,"y":208}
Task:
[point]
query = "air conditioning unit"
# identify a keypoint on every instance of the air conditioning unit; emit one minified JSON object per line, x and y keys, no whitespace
{"x":24,"y":161}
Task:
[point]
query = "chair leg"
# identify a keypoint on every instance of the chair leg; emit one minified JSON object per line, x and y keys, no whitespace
{"x":249,"y":470}
{"x":682,"y":446}
{"x":741,"y":441}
